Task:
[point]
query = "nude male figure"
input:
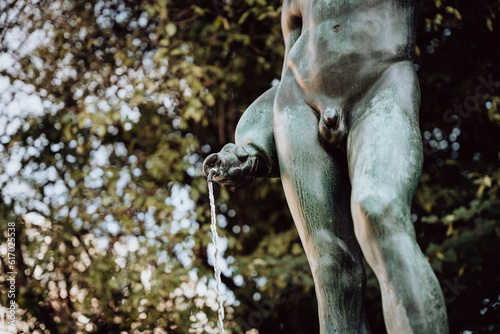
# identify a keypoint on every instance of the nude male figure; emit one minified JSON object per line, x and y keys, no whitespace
{"x":341,"y":129}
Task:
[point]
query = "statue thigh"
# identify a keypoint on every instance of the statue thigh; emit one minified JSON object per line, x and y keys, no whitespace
{"x":317,"y":190}
{"x":384,"y":152}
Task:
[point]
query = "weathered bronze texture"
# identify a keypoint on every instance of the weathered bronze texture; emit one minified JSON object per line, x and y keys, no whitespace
{"x":341,"y":129}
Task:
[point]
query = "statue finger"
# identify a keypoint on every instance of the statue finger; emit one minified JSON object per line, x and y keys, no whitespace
{"x":228,"y":159}
{"x":212,"y":161}
{"x":241,"y":153}
{"x":230,"y":148}
{"x":242,"y":170}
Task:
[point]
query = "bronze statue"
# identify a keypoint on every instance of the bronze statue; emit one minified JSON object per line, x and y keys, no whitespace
{"x":341,"y":129}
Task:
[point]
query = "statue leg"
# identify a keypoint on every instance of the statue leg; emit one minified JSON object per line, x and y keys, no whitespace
{"x":317,"y":190}
{"x":385,"y":158}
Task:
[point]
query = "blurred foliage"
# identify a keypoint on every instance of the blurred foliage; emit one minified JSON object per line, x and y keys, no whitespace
{"x":104,"y":177}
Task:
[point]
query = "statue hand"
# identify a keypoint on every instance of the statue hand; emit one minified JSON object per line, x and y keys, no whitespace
{"x":236,"y":166}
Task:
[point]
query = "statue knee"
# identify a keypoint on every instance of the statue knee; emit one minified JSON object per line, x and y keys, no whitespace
{"x":377,"y":218}
{"x":335,"y":261}
{"x":383,"y":229}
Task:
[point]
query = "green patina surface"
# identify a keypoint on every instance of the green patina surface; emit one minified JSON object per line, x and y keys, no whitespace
{"x":341,"y":129}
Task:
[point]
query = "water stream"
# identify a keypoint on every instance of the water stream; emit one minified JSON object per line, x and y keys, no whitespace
{"x":215,"y":240}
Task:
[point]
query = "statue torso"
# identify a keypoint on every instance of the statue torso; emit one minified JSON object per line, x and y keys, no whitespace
{"x":338,"y":48}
